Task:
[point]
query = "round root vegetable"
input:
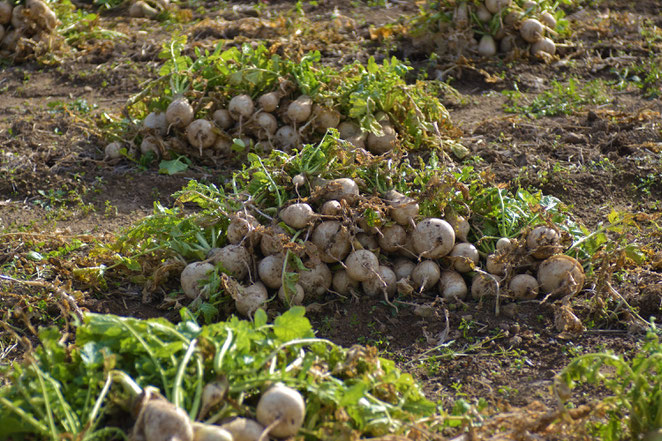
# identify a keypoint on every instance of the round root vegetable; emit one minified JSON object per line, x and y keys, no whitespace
{"x":5,"y":12}
{"x":367,"y":241}
{"x":403,"y":209}
{"x":392,"y":239}
{"x":483,"y":14}
{"x":524,"y":286}
{"x":270,"y":270}
{"x":267,"y":124}
{"x":297,"y":215}
{"x":235,"y":259}
{"x":452,"y":286}
{"x":483,"y":286}
{"x":244,"y":429}
{"x":159,"y":420}
{"x":384,"y":143}
{"x":18,"y":18}
{"x":113,"y":151}
{"x":333,"y":241}
{"x":460,"y":226}
{"x":200,"y":134}
{"x":495,"y":6}
{"x":241,"y":227}
{"x":504,"y":245}
{"x":156,"y":122}
{"x":464,"y":257}
{"x":2,"y":32}
{"x":290,"y":298}
{"x":542,"y":47}
{"x":340,"y":189}
{"x":241,"y":106}
{"x":141,"y":9}
{"x":223,"y":145}
{"x":494,"y":265}
{"x":461,"y":15}
{"x":350,"y":131}
{"x":300,"y":109}
{"x":331,"y":208}
{"x":287,"y":137}
{"x":192,"y":275}
{"x":150,"y":144}
{"x":212,"y":394}
{"x":284,"y":407}
{"x":209,"y":432}
{"x":269,"y":101}
{"x":403,"y":268}
{"x":325,"y":118}
{"x":272,"y":240}
{"x":487,"y":46}
{"x":548,"y":19}
{"x":343,"y":284}
{"x":179,"y":113}
{"x":425,"y":275}
{"x":561,"y":275}
{"x":508,"y":43}
{"x":531,"y":30}
{"x":543,"y":242}
{"x":382,"y":283}
{"x":223,"y":119}
{"x":316,"y":281}
{"x":433,"y":238}
{"x":251,"y":298}
{"x":361,"y":265}
{"x":41,"y":14}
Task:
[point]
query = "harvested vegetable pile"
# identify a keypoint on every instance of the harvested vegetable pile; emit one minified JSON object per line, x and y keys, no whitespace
{"x":27,"y":28}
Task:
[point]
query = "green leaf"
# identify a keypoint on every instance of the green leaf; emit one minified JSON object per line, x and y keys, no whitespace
{"x":174,"y":166}
{"x":293,"y":325}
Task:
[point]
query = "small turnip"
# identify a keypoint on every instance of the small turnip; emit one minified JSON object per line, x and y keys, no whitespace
{"x":5,"y":12}
{"x":325,"y":118}
{"x":290,"y":298}
{"x":284,"y":404}
{"x":200,"y":134}
{"x":287,"y":137}
{"x":270,"y":270}
{"x":495,"y":265}
{"x":223,"y":119}
{"x":242,"y":226}
{"x":487,"y":46}
{"x":2,"y":32}
{"x":392,"y":239}
{"x":192,"y":275}
{"x":529,"y":6}
{"x":403,"y":208}
{"x":508,"y":43}
{"x":269,"y":101}
{"x":483,"y":285}
{"x":235,"y":259}
{"x":543,"y":242}
{"x":300,"y":109}
{"x":297,"y":215}
{"x":223,"y":145}
{"x":112,"y":150}
{"x":340,"y":189}
{"x":464,"y":257}
{"x":41,"y":14}
{"x":483,"y":14}
{"x":150,"y":144}
{"x":384,"y":284}
{"x":504,"y":245}
{"x":460,"y":225}
{"x":548,"y":19}
{"x":331,"y":208}
{"x":523,"y":286}
{"x":159,"y":420}
{"x":433,"y":238}
{"x":273,"y":239}
{"x":316,"y":281}
{"x":403,"y":268}
{"x":495,"y":6}
{"x":350,"y":131}
{"x":367,"y":241}
{"x":244,"y":429}
{"x":241,"y":107}
{"x":425,"y":275}
{"x":156,"y":122}
{"x":385,"y":143}
{"x":141,"y":9}
{"x":512,"y":17}
{"x":452,"y":286}
{"x":361,"y":265}
{"x":561,"y":275}
{"x":179,"y":113}
{"x":251,"y":298}
{"x":267,"y":124}
{"x":332,"y":240}
{"x":343,"y":284}
{"x":542,"y":47}
{"x":213,"y":393}
{"x":209,"y":432}
{"x":531,"y":30}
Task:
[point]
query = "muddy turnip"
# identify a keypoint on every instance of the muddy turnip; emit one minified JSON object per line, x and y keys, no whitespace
{"x":159,"y":420}
{"x":241,"y":107}
{"x":209,"y":432}
{"x":561,"y":275}
{"x":297,"y":215}
{"x":284,"y":407}
{"x":361,"y":265}
{"x":325,"y":118}
{"x":385,"y":284}
{"x":192,"y":276}
{"x":343,"y":284}
{"x":464,"y":257}
{"x":223,"y":119}
{"x":179,"y":113}
{"x":300,"y":109}
{"x":156,"y":122}
{"x":291,"y":297}
{"x":483,"y":285}
{"x":543,"y":242}
{"x":433,"y":238}
{"x":333,"y":241}
{"x":531,"y":30}
{"x":251,"y":298}
{"x":287,"y":137}
{"x":403,"y":208}
{"x":452,"y":286}
{"x":234,"y":259}
{"x":242,"y":226}
{"x":393,"y":237}
{"x":269,"y":101}
{"x":425,"y":275}
{"x":316,"y":281}
{"x":523,"y":286}
{"x":200,"y":134}
{"x":379,"y":144}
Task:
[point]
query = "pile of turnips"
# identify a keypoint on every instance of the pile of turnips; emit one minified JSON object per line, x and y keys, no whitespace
{"x":279,"y":119}
{"x":26,"y":28}
{"x":486,"y":28}
{"x":340,"y":243}
{"x":148,"y":8}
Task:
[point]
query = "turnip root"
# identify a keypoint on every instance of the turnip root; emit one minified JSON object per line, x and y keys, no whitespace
{"x":339,"y":189}
{"x":287,"y":137}
{"x":494,"y":265}
{"x":284,"y":404}
{"x":269,"y":101}
{"x":433,"y":238}
{"x":297,"y":215}
{"x":272,"y":240}
{"x":333,"y":241}
{"x":141,"y":9}
{"x":241,"y":227}
{"x":213,"y":393}
{"x":495,"y":6}
{"x":159,"y":420}
{"x":461,"y":15}
{"x":267,"y":124}
{"x":425,"y":275}
{"x":112,"y":150}
{"x":504,"y":245}
{"x":350,"y":131}
{"x":156,"y":122}
{"x":531,"y":30}
{"x":508,"y":43}
{"x":393,"y":237}
{"x":542,"y":47}
{"x":325,"y":118}
{"x":331,"y":208}
{"x":179,"y":113}
{"x":379,"y":144}
{"x":200,"y":134}
{"x":209,"y":432}
{"x":483,"y":285}
{"x":41,"y":14}
{"x":548,"y":19}
{"x":367,"y":241}
{"x":483,"y":14}
{"x":561,"y":275}
{"x":241,"y":107}
{"x":343,"y":284}
{"x":150,"y":144}
{"x":235,"y":259}
{"x":192,"y":275}
{"x":270,"y":270}
{"x":523,"y":286}
{"x":18,"y":18}
{"x":2,"y":32}
{"x":10,"y":40}
{"x":290,"y":298}
{"x":223,"y":145}
{"x":403,"y":209}
{"x":223,"y":119}
{"x":316,"y":281}
{"x":384,"y":284}
{"x":243,"y":429}
{"x":251,"y":298}
{"x":300,"y":109}
{"x":460,"y":224}
{"x":361,"y":265}
{"x":5,"y":12}
{"x":452,"y":286}
{"x":464,"y":257}
{"x":543,"y":242}
{"x":403,"y":268}
{"x":487,"y":46}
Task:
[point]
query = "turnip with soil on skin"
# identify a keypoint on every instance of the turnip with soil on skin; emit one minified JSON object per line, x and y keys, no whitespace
{"x":269,"y":101}
{"x":461,"y":226}
{"x":282,"y":409}
{"x":361,"y":265}
{"x":192,"y":275}
{"x":315,"y":281}
{"x":235,"y":259}
{"x":543,"y":242}
{"x":287,"y":137}
{"x":532,"y":30}
{"x":403,"y":268}
{"x":392,"y":239}
{"x":351,"y":132}
{"x":523,"y":286}
{"x":464,"y":257}
{"x":343,"y":284}
{"x":542,"y":47}
{"x":461,"y":15}
{"x":332,"y":240}
{"x":200,"y":134}
{"x":297,"y":215}
{"x":300,"y":109}
{"x":213,"y":393}
{"x":561,"y":276}
{"x":270,"y":270}
{"x":223,"y":119}
{"x":495,"y":265}
{"x":504,"y":245}
{"x":338,"y":189}
{"x":483,"y":14}
{"x":272,"y":240}
{"x":547,"y":19}
{"x":484,"y":285}
{"x":150,"y":144}
{"x":452,"y":286}
{"x":325,"y":118}
{"x":433,"y":238}
{"x":241,"y":107}
{"x":242,"y":227}
{"x":160,"y":420}
{"x":141,"y":9}
{"x":379,"y":144}
{"x":331,"y":208}
{"x":495,"y":6}
{"x":179,"y":113}
{"x":5,"y":12}
{"x":367,"y":241}
{"x":487,"y":46}
{"x":156,"y":122}
{"x":403,"y":209}
{"x":382,"y":283}
{"x":425,"y":275}
{"x":210,"y":432}
{"x":113,"y":151}
{"x":251,"y":298}
{"x":244,"y":429}
{"x":41,"y":14}
{"x":289,"y":297}
{"x":267,"y":124}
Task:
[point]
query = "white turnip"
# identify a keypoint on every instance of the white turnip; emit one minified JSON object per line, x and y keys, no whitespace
{"x":343,"y":284}
{"x":367,"y":241}
{"x":548,"y":19}
{"x":141,"y":9}
{"x":241,"y":107}
{"x":484,"y":285}
{"x":209,"y":432}
{"x":269,"y":101}
{"x":495,"y":6}
{"x":384,"y":284}
{"x":156,"y":122}
{"x":192,"y":276}
{"x":461,"y":226}
{"x":331,"y":208}
{"x":242,"y":226}
{"x":150,"y":144}
{"x":235,"y":259}
{"x":200,"y":134}
{"x":41,"y":14}
{"x":361,"y":265}
{"x":315,"y":281}
{"x":433,"y":238}
{"x":531,"y":30}
{"x":542,"y":47}
{"x":112,"y":151}
{"x":179,"y":113}
{"x":340,"y":189}
{"x":332,"y":240}
{"x":287,"y":138}
{"x":300,"y":109}
{"x":251,"y":298}
{"x":297,"y":215}
{"x":495,"y":265}
{"x":392,"y":239}
{"x":244,"y":429}
{"x":270,"y":270}
{"x":543,"y":242}
{"x":223,"y":119}
{"x":487,"y":46}
{"x":452,"y":286}
{"x":483,"y":14}
{"x":159,"y":420}
{"x":504,"y":245}
{"x":561,"y":275}
{"x":464,"y":257}
{"x":284,"y":407}
{"x":267,"y":124}
{"x":523,"y":286}
{"x":213,"y":393}
{"x":325,"y":118}
{"x":403,"y":267}
{"x":272,"y":240}
{"x":403,"y":208}
{"x":289,"y":297}
{"x":379,"y":144}
{"x":425,"y":275}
